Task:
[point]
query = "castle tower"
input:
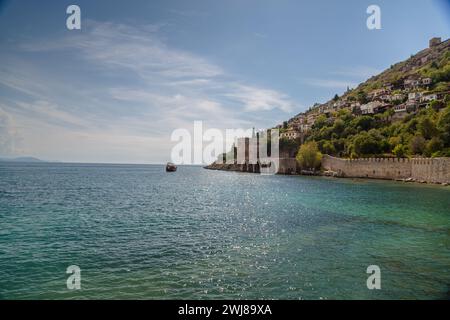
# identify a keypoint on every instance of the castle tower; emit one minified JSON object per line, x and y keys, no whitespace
{"x":435,"y":42}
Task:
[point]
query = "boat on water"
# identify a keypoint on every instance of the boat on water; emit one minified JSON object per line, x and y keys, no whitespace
{"x":170,"y":167}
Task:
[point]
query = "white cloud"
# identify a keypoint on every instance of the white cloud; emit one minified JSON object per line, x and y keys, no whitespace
{"x":140,"y":50}
{"x":51,"y":112}
{"x":257,"y":99}
{"x":180,"y":110}
{"x":151,"y":89}
{"x":121,"y":46}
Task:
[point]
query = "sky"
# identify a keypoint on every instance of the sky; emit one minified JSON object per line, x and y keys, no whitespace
{"x":114,"y":91}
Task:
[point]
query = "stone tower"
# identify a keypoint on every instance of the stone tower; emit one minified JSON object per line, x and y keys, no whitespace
{"x":435,"y":42}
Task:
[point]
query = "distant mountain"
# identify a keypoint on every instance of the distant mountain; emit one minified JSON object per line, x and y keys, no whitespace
{"x":22,"y":159}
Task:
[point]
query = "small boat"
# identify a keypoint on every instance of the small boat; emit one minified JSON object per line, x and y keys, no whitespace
{"x":170,"y":167}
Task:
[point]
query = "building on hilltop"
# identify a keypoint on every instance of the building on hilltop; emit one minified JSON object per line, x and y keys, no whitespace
{"x":435,"y":42}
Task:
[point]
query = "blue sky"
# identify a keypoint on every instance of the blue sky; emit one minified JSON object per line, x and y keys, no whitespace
{"x":116,"y":89}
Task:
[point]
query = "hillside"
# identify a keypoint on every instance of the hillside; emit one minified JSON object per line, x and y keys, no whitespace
{"x":433,"y":62}
{"x":403,"y":111}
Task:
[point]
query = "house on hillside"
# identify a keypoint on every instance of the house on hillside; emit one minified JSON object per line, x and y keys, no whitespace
{"x":371,"y":107}
{"x":426,"y":81}
{"x":299,"y":119}
{"x":397,"y":97}
{"x":388,"y":87}
{"x":411,"y":83}
{"x":400,"y":111}
{"x":311,"y":118}
{"x":305,"y":127}
{"x":400,"y":108}
{"x":377,"y":93}
{"x":385,"y":97}
{"x":290,"y":134}
{"x":414,"y":95}
{"x":412,"y":105}
{"x":429,"y":97}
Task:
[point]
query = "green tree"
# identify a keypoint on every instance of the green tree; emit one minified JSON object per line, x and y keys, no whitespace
{"x":328,"y":148}
{"x":366,"y":144}
{"x":434,"y":145}
{"x":393,"y":141}
{"x":443,"y":125}
{"x":309,"y":156}
{"x":417,"y":144}
{"x":400,"y":151}
{"x":338,"y":127}
{"x":427,"y":128}
{"x":436,"y":105}
{"x":389,"y":113}
{"x":363,"y":123}
{"x":361,"y":96}
{"x":320,"y":122}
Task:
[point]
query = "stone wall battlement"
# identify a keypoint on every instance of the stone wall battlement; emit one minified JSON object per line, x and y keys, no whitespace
{"x":434,"y":170}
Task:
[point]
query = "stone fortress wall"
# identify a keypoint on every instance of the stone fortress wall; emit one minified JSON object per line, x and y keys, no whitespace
{"x":434,"y":170}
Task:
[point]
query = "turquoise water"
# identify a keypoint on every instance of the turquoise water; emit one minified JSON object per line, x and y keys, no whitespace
{"x":138,"y":232}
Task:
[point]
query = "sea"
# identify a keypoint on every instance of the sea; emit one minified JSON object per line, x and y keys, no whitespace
{"x":138,"y":232}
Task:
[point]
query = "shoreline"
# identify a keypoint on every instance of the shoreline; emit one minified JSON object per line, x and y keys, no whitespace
{"x":324,"y":172}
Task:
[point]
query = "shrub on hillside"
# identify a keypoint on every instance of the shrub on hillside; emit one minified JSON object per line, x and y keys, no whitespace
{"x":309,"y":156}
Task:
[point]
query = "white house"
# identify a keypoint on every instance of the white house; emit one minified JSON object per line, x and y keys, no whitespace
{"x":377,"y":93}
{"x":397,"y":97}
{"x":414,"y":95}
{"x":370,"y":108}
{"x":426,"y":81}
{"x":411,"y":83}
{"x":290,"y":134}
{"x":430,"y":97}
{"x":400,"y":108}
